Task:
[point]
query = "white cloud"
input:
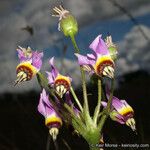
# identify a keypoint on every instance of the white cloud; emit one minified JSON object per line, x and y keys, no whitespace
{"x":11,"y":34}
{"x":134,"y":51}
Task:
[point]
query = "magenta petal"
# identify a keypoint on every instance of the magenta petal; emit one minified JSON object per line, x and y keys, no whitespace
{"x":120,"y":119}
{"x":91,"y":56}
{"x":44,"y":107}
{"x":68,"y":98}
{"x":45,"y":98}
{"x":124,"y":103}
{"x":54,"y":70}
{"x":104,"y":104}
{"x":82,"y":60}
{"x":41,"y":107}
{"x":99,"y":46}
{"x":50,"y":77}
{"x":117,"y":104}
{"x":37,"y":59}
{"x":22,"y":57}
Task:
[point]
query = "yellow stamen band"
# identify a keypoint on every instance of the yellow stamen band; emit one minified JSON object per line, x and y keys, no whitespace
{"x":102,"y":59}
{"x":53,"y":119}
{"x":27,"y":64}
{"x":61,"y":77}
{"x":126,"y":110}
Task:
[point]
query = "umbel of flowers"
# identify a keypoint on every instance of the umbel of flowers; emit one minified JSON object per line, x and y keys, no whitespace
{"x":56,"y":104}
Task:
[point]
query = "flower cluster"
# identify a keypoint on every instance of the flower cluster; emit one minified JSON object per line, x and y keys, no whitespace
{"x":56,"y":98}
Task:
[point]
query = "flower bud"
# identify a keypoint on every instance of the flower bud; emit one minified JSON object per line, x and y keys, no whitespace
{"x":67,"y":23}
{"x":111,"y":47}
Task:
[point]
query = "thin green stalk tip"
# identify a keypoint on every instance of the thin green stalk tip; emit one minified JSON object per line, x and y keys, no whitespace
{"x":76,"y":99}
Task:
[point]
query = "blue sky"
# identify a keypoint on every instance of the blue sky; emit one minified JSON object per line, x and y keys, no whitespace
{"x":117,"y":28}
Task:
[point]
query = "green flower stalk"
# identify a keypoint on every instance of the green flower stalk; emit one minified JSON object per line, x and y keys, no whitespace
{"x":67,"y":23}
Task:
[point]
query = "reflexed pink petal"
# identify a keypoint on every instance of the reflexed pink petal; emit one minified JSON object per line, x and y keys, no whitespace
{"x":50,"y":77}
{"x":120,"y":119}
{"x":22,"y":57}
{"x":104,"y":104}
{"x":41,"y":107}
{"x":37,"y":59}
{"x":68,"y":98}
{"x":54,"y":70}
{"x":116,"y":103}
{"x":44,"y":107}
{"x":124,"y":103}
{"x":99,"y":46}
{"x":82,"y":60}
{"x":91,"y":56}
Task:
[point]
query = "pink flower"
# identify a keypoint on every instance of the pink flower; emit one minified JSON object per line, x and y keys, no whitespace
{"x":100,"y":62}
{"x":30,"y":64}
{"x":60,"y":83}
{"x":121,"y":112}
{"x":52,"y":119}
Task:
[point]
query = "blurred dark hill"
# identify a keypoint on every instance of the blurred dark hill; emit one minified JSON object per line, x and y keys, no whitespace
{"x":22,"y":127}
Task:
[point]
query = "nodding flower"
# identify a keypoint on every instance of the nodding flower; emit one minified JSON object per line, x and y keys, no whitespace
{"x":30,"y":64}
{"x":52,"y":119}
{"x":100,"y":62}
{"x":60,"y":83}
{"x":121,"y":112}
{"x":67,"y":23}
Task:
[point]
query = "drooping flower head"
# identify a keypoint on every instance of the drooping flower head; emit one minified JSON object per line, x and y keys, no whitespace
{"x":122,"y":112}
{"x":67,"y":23}
{"x":100,"y":62}
{"x":52,"y":119}
{"x":60,"y":83}
{"x":30,"y":64}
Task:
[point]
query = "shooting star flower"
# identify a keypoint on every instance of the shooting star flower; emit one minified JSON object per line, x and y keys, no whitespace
{"x":30,"y":64}
{"x":100,"y":62}
{"x":60,"y":83}
{"x":52,"y":119}
{"x":122,"y":112}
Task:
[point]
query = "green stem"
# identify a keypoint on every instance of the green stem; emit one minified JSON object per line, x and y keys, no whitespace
{"x":77,"y":50}
{"x":102,"y":121}
{"x":76,"y":98}
{"x":93,"y":137}
{"x":85,"y":105}
{"x":108,"y":108}
{"x":79,"y":124}
{"x":43,"y":82}
{"x":97,"y":109}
